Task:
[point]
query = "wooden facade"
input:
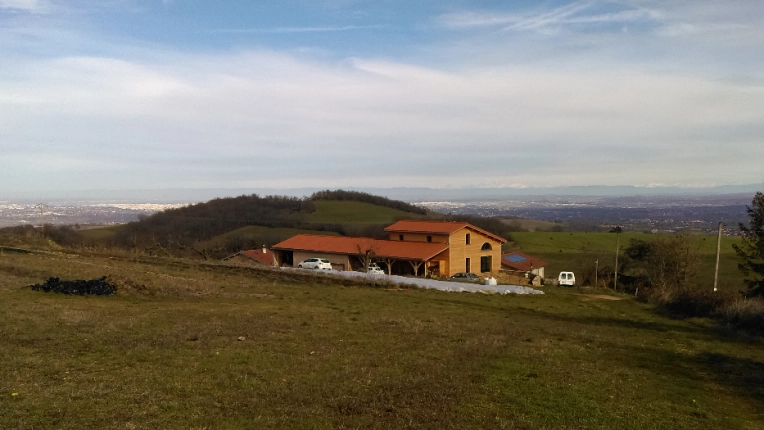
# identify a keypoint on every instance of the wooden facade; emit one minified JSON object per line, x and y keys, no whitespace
{"x":470,"y":249}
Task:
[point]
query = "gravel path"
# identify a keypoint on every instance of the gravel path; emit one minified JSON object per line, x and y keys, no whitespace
{"x":433,"y":284}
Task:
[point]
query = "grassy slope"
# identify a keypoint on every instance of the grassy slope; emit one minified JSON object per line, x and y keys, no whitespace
{"x":101,"y":232}
{"x":257,"y":230}
{"x":349,"y":212}
{"x":561,"y":249}
{"x":321,"y":355}
{"x":529,"y":224}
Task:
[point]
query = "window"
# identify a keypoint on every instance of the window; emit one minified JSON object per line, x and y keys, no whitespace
{"x":467,"y":238}
{"x":400,"y":237}
{"x":486,"y":247}
{"x":485,"y":263}
{"x":467,"y":269}
{"x":429,"y":238}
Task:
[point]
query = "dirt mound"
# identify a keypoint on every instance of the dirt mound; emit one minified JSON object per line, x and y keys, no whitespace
{"x":98,"y":287}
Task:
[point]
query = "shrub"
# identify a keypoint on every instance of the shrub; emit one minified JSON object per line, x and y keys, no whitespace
{"x":745,"y":313}
{"x":691,"y":302}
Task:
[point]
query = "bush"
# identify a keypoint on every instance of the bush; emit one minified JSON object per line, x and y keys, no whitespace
{"x":727,"y":306}
{"x":745,"y":313}
{"x":692,"y":302}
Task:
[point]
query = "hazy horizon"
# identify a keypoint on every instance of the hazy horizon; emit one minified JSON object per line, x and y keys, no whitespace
{"x":191,"y":195}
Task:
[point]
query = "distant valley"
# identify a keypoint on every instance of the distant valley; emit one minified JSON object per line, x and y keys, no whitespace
{"x":697,"y":210}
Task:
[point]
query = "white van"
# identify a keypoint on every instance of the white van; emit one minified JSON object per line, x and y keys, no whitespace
{"x":566,"y":278}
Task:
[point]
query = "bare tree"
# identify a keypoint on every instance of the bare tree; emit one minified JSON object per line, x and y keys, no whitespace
{"x":366,"y":255}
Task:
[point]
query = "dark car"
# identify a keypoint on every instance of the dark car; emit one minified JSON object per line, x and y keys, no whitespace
{"x":464,"y":277}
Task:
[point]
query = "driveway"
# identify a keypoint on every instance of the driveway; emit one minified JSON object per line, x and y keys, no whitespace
{"x":433,"y":284}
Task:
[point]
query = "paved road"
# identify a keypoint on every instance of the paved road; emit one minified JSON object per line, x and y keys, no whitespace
{"x":433,"y":284}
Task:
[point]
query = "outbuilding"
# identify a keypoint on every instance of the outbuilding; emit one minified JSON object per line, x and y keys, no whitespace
{"x":520,"y":262}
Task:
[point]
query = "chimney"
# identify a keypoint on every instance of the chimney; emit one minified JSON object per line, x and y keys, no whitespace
{"x":265,"y":251}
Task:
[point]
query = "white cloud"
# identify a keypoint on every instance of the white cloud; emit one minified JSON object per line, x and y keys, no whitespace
{"x":223,"y":118}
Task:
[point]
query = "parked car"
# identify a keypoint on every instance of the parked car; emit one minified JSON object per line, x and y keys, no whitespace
{"x":566,"y":278}
{"x":464,"y":277}
{"x":315,"y":263}
{"x":375,"y":270}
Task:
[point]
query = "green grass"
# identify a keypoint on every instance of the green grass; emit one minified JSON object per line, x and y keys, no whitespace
{"x":529,"y":224}
{"x":562,"y":249}
{"x":101,"y":232}
{"x":350,"y":212}
{"x":319,"y":353}
{"x":259,"y":231}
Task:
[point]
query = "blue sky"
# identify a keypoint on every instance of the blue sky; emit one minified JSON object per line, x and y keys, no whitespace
{"x":131,"y":94}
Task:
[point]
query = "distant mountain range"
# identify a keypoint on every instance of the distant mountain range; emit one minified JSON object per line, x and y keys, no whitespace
{"x":412,"y":194}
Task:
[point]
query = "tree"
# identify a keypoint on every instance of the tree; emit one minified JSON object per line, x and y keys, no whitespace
{"x":669,"y":262}
{"x":366,"y":255}
{"x":751,"y":250}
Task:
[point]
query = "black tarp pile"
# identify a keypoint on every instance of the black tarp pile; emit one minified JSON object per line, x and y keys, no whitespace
{"x":97,"y":286}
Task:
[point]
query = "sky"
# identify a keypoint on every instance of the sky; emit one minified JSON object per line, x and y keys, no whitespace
{"x":152,"y":94}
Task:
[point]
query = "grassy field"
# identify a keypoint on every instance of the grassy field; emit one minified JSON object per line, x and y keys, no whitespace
{"x":101,"y":232}
{"x":350,"y":212}
{"x":561,"y":250}
{"x":529,"y":224}
{"x":258,"y":231}
{"x":163,"y":353}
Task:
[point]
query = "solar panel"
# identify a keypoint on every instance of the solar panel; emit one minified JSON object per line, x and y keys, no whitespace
{"x":515,"y":258}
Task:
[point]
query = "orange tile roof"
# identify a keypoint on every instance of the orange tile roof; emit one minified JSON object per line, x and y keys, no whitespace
{"x":437,"y":227}
{"x":257,"y":254}
{"x":351,"y":246}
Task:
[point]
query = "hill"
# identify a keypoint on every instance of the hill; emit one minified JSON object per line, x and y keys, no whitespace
{"x":204,"y":221}
{"x":318,"y":352}
{"x":221,"y":226}
{"x":216,"y":228}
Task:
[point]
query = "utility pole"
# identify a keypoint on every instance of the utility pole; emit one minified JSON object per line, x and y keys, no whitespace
{"x":615,"y":285}
{"x":41,"y":207}
{"x":596,"y":271}
{"x":718,"y":250}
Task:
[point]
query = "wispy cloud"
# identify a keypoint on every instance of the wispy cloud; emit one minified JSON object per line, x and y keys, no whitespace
{"x":25,"y":5}
{"x":555,"y":17}
{"x":573,"y":13}
{"x":287,"y":30}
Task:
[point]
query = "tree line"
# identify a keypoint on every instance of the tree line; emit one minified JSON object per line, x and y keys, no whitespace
{"x":357,"y":196}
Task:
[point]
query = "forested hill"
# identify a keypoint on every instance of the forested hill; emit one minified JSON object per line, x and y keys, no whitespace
{"x":342,"y":195}
{"x":202,"y":221}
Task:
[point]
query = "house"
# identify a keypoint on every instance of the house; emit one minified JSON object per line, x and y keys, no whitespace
{"x":262,"y":256}
{"x":420,"y":248}
{"x":520,"y":262}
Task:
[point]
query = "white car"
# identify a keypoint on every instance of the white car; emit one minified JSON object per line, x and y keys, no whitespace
{"x":315,"y":263}
{"x":566,"y":278}
{"x":375,"y":270}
